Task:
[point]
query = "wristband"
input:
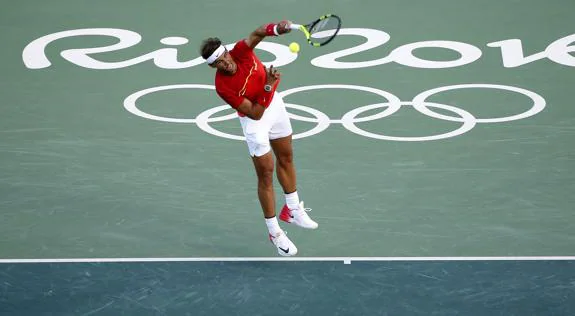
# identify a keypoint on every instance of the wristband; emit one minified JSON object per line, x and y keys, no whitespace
{"x":272,"y":29}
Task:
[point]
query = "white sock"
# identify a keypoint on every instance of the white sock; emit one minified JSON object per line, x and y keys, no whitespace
{"x":292,"y":200}
{"x":273,"y":226}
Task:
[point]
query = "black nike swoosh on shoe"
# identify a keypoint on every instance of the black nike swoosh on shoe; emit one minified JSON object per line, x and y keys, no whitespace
{"x":284,"y":250}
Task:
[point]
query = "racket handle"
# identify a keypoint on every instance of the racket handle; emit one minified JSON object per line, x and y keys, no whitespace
{"x":295,"y":26}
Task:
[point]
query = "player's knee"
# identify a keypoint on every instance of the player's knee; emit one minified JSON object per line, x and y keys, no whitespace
{"x":265,"y":170}
{"x":266,"y":176}
{"x":285,"y":159}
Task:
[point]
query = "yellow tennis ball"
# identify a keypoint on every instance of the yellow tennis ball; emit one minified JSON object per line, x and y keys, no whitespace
{"x":294,"y":47}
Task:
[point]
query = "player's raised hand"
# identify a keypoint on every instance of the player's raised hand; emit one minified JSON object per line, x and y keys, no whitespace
{"x":272,"y":75}
{"x":284,"y":27}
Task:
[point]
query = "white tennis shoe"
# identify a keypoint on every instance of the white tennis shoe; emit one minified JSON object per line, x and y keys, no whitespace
{"x":283,"y":244}
{"x":298,"y":216}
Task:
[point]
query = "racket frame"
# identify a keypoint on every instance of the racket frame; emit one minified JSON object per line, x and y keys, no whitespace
{"x":305,"y":29}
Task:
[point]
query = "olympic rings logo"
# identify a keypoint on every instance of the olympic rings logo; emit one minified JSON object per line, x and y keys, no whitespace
{"x":351,"y":119}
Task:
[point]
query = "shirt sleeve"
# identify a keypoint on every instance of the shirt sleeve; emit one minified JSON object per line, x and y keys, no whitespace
{"x":241,"y":50}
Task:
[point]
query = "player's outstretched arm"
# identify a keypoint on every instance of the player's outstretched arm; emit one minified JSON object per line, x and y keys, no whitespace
{"x":270,"y":29}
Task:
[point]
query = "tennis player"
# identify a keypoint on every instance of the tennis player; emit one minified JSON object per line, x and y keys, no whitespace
{"x":244,"y":83}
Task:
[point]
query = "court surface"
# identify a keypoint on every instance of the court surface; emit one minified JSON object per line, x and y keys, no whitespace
{"x":434,"y":143}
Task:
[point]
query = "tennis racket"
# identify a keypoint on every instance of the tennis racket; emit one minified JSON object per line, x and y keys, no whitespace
{"x":321,"y":31}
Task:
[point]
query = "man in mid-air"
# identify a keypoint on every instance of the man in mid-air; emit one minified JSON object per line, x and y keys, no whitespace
{"x":244,"y":83}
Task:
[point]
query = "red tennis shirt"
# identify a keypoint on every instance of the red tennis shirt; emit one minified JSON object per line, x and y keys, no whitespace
{"x":248,"y":81}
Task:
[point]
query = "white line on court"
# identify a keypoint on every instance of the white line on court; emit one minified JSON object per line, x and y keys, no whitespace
{"x":346,"y":260}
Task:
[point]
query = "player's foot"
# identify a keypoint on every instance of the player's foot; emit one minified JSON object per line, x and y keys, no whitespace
{"x":284,"y":246}
{"x":298,"y":217}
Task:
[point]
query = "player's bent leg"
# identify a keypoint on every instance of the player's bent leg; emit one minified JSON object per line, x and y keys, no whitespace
{"x":293,"y":211}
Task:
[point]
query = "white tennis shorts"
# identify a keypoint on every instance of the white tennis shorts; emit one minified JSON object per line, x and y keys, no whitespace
{"x":274,"y":124}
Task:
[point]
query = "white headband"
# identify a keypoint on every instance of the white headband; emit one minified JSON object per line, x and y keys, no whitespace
{"x":216,"y":54}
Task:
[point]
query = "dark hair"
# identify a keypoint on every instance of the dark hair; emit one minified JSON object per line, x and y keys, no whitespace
{"x":209,"y":45}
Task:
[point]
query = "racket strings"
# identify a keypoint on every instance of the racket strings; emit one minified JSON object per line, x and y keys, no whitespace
{"x":324,"y":30}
